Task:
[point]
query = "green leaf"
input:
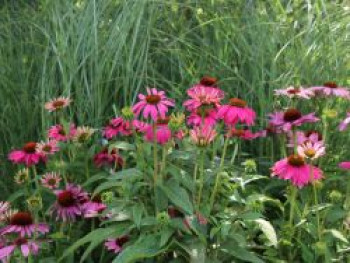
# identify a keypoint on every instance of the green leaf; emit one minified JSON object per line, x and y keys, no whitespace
{"x":97,"y":236}
{"x":338,"y":235}
{"x":165,"y":236}
{"x":145,"y":247}
{"x":268,"y":230}
{"x":178,"y":196}
{"x":130,"y":173}
{"x":241,"y":253}
{"x":137,"y":212}
{"x":122,"y":146}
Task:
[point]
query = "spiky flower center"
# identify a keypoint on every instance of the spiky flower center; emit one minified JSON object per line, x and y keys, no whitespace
{"x":208,"y":81}
{"x":237,"y":132}
{"x":29,"y":147}
{"x":66,"y":198}
{"x":238,"y":102}
{"x":294,"y":91}
{"x":21,"y":219}
{"x":122,"y":240}
{"x":291,"y":115}
{"x":52,"y":182}
{"x":47,"y":148}
{"x":331,"y":84}
{"x":161,"y":121}
{"x":153,"y":99}
{"x":58,"y":103}
{"x":310,"y":152}
{"x":61,"y":131}
{"x":296,"y":160}
{"x":20,"y":241}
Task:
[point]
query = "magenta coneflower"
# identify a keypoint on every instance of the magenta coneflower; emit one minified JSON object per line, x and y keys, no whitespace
{"x":155,"y":104}
{"x":163,"y":133}
{"x":344,"y":165}
{"x":51,"y":180}
{"x":117,"y":126}
{"x":57,"y":104}
{"x":25,"y":246}
{"x":304,"y":136}
{"x":58,"y":133}
{"x":204,"y":94}
{"x":291,"y":118}
{"x":236,"y":111}
{"x":311,"y":150}
{"x":202,"y":135}
{"x":93,"y":208}
{"x":47,"y":148}
{"x":108,"y":158}
{"x":296,"y":170}
{"x":27,"y":155}
{"x":331,"y":89}
{"x":68,"y":205}
{"x":344,"y":124}
{"x":205,"y":116}
{"x":23,"y":224}
{"x":116,"y":244}
{"x":295,"y":92}
{"x":243,"y":134}
{"x":139,"y":126}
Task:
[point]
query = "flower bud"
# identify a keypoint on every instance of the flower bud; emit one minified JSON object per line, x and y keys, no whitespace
{"x":127,"y":113}
{"x":163,"y":218}
{"x":21,"y":176}
{"x":34,"y":202}
{"x":107,"y":197}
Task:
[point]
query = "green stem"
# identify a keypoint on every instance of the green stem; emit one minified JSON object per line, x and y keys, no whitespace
{"x":319,"y":231}
{"x":218,"y":175}
{"x":201,"y":179}
{"x":155,"y":155}
{"x":195,"y":171}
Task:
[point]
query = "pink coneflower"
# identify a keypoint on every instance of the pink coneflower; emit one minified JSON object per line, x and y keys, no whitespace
{"x":68,"y":205}
{"x":23,"y":223}
{"x":303,"y":137}
{"x":4,"y":207}
{"x":155,"y":104}
{"x":108,"y":158}
{"x":116,"y":244}
{"x":344,"y":165}
{"x":27,"y":155}
{"x":344,"y":124}
{"x":117,"y":126}
{"x":236,"y":111}
{"x":83,"y":134}
{"x":204,"y":94}
{"x":57,"y":104}
{"x":295,"y":92}
{"x":93,"y":208}
{"x":291,"y":118}
{"x":243,"y":134}
{"x":26,"y":247}
{"x":206,"y":117}
{"x":139,"y":126}
{"x":58,"y":133}
{"x":47,"y":148}
{"x":180,"y":135}
{"x":203,"y":135}
{"x":331,"y":89}
{"x":311,"y":150}
{"x":51,"y":180}
{"x":296,"y":170}
{"x":163,"y":133}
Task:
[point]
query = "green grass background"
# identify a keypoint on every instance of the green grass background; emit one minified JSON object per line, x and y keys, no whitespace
{"x":102,"y":53}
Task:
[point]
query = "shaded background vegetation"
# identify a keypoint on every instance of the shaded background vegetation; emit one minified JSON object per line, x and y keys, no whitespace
{"x":102,"y":53}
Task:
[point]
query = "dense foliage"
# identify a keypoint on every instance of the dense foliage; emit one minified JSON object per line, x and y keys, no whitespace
{"x":98,"y":176}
